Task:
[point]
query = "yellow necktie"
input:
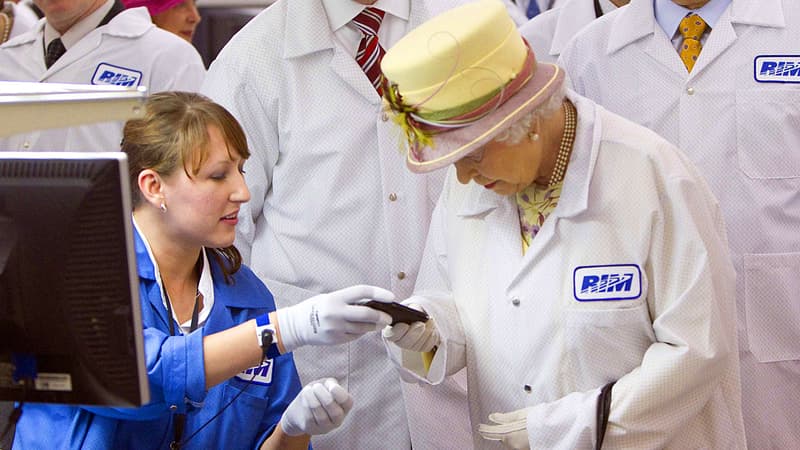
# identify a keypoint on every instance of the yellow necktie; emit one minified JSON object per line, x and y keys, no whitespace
{"x":692,"y":28}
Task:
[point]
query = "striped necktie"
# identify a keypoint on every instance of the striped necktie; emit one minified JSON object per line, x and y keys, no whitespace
{"x":370,"y":52}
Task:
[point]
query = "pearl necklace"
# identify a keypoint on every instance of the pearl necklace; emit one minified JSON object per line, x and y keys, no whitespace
{"x":565,"y":147}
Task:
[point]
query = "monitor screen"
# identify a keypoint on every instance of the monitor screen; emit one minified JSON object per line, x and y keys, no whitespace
{"x":70,"y":317}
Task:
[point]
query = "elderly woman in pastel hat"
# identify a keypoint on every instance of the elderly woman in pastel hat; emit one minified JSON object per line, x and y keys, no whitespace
{"x":576,"y":264}
{"x":176,"y":16}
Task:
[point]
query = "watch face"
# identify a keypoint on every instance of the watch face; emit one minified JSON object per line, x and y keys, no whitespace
{"x":266,"y":338}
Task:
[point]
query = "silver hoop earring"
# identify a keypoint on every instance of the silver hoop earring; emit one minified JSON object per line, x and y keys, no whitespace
{"x":163,"y":207}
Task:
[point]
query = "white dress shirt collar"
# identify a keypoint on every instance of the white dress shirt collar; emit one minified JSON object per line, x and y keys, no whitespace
{"x":78,"y":30}
{"x":341,"y":12}
{"x":669,"y":15}
{"x":393,"y":27}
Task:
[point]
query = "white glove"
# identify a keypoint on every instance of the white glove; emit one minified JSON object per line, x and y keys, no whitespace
{"x":416,"y":336}
{"x":509,"y":428}
{"x":333,"y":318}
{"x":319,"y":408}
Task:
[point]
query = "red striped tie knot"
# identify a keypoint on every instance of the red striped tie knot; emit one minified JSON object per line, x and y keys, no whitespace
{"x":370,"y":52}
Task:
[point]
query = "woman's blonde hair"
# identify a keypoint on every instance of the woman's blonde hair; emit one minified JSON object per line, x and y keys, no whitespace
{"x":173,"y":135}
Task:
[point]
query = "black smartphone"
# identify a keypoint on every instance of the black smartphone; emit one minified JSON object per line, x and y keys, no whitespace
{"x":400,"y":313}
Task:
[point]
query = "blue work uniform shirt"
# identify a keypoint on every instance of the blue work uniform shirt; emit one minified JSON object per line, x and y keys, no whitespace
{"x":176,"y":375}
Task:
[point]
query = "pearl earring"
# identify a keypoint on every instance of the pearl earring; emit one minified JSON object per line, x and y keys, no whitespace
{"x":533,"y":136}
{"x":163,"y":207}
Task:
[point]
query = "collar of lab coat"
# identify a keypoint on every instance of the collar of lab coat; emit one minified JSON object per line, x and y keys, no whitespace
{"x":639,"y":19}
{"x":572,"y":17}
{"x":308,"y":30}
{"x":575,"y":193}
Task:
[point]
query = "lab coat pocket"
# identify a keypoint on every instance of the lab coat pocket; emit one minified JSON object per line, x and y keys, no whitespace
{"x":772,"y":305}
{"x":608,"y":342}
{"x":767,"y":132}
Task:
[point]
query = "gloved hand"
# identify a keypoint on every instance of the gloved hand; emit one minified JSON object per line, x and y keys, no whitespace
{"x":319,"y":408}
{"x":416,"y":336}
{"x":509,"y":428}
{"x":333,"y":318}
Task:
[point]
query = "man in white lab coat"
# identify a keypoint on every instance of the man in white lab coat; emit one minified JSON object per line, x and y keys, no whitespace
{"x":331,"y":204}
{"x":102,"y":44}
{"x":576,"y":263}
{"x":737,"y":116}
{"x":550,"y":31}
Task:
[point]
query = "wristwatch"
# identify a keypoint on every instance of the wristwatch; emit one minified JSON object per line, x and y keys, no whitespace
{"x":265,"y":333}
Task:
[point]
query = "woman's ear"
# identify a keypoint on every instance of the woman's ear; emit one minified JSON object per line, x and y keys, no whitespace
{"x":151,"y":187}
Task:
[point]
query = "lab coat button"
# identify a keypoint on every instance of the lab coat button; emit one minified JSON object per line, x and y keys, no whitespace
{"x":401,"y":275}
{"x":515,"y":301}
{"x":527,"y":388}
{"x":690,"y":91}
{"x":26,"y":145}
{"x":392,"y":197}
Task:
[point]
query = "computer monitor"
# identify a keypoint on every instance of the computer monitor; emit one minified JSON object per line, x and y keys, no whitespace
{"x":70,"y":317}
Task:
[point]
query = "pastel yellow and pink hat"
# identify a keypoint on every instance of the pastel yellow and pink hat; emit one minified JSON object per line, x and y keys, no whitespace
{"x":458,"y":80}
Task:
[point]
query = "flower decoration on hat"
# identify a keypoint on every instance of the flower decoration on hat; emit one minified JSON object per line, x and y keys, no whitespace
{"x":404,"y":118}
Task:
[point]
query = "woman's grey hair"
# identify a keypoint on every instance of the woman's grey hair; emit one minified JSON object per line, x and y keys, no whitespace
{"x":519,"y":130}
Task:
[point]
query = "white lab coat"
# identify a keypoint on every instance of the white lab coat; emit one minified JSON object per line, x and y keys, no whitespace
{"x":129,"y":47}
{"x":516,"y":322}
{"x":744,"y":136}
{"x":332,"y":204}
{"x":550,"y":31}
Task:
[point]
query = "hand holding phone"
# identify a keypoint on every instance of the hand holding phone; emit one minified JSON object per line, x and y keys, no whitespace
{"x":400,"y":313}
{"x":417,"y":334}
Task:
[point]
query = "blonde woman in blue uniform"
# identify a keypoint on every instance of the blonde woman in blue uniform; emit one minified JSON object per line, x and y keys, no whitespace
{"x":216,"y":350}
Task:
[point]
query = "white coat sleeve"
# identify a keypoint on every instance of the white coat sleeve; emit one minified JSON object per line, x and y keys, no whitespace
{"x":691,"y":300}
{"x":252,"y":100}
{"x":177,"y":67}
{"x":432,"y":291}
